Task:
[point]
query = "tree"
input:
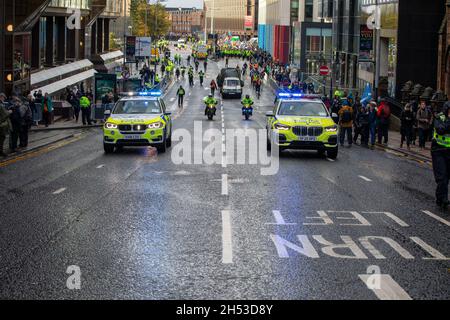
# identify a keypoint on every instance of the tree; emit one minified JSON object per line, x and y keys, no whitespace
{"x":158,"y":23}
{"x":113,"y":41}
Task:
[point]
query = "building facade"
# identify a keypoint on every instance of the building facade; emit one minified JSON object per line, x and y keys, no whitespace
{"x":444,"y":53}
{"x":229,"y":16}
{"x":186,"y":21}
{"x":52,"y":44}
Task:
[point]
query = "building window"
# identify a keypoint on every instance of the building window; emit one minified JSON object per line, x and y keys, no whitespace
{"x":309,"y":9}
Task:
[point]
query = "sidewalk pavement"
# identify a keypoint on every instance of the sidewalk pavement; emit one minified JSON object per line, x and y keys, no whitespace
{"x":394,"y":144}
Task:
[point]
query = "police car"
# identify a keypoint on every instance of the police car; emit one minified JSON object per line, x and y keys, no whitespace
{"x":300,"y":121}
{"x":138,"y":119}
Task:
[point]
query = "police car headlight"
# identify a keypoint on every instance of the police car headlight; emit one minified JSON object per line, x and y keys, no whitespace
{"x":331,"y":129}
{"x":155,"y":125}
{"x":280,"y":126}
{"x":109,"y":125}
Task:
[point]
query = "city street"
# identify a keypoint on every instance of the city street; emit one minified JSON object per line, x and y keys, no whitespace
{"x":140,"y":226}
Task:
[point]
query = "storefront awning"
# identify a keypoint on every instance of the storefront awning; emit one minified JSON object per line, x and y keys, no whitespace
{"x":112,"y":55}
{"x":70,"y":81}
{"x":60,"y":71}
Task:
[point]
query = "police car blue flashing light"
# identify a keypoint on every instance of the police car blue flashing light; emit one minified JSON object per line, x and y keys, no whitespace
{"x":150,"y":93}
{"x":290,"y":95}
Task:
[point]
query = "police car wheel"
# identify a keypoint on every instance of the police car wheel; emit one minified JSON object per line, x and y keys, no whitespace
{"x":169,"y":141}
{"x":162,"y":147}
{"x":109,"y":148}
{"x":332,"y":153}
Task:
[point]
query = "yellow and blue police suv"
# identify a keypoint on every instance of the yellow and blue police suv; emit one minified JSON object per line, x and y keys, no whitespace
{"x":300,"y":121}
{"x":139,"y":119}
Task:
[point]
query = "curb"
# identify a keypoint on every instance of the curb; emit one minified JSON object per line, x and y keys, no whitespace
{"x":67,"y":128}
{"x":33,"y":149}
{"x":406,"y":153}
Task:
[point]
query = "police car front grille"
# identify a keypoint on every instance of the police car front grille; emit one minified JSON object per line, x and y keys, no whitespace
{"x":307,"y":131}
{"x":128,"y":128}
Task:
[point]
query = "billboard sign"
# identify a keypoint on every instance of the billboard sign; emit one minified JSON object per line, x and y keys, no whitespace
{"x":130,"y":53}
{"x":143,"y":47}
{"x":104,"y":83}
{"x":248,"y":23}
{"x":365,"y":43}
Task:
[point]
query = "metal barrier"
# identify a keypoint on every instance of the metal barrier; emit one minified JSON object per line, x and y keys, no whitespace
{"x":98,"y":110}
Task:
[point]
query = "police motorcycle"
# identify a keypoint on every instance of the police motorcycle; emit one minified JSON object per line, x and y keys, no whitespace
{"x":210,"y":110}
{"x":247,"y":107}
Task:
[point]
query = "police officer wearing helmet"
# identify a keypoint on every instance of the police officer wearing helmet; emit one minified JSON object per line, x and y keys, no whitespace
{"x":440,"y":153}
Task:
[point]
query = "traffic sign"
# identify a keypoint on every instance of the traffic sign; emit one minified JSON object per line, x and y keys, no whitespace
{"x":324,"y":71}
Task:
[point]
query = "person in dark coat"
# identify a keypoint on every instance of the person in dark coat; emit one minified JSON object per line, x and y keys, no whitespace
{"x":407,"y":123}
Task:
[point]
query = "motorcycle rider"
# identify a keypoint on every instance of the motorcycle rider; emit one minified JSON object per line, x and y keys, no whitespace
{"x":247,"y":101}
{"x":440,"y":154}
{"x":209,"y":100}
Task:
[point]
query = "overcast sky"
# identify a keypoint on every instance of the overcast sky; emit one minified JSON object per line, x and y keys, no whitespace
{"x":184,"y":3}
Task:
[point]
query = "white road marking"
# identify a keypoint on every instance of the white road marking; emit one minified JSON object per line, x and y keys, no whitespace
{"x":279,"y":219}
{"x":365,"y":178}
{"x":331,"y":160}
{"x":388,"y":289}
{"x":100,"y":166}
{"x":227,"y":245}
{"x":399,"y":221}
{"x":60,"y":191}
{"x":436,"y":255}
{"x":434,"y":216}
{"x":172,"y":99}
{"x":224,"y":184}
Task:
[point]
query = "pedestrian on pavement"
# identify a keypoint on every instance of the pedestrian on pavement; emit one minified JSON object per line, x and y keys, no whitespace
{"x":213,"y":87}
{"x":373,"y":123}
{"x":346,"y":123}
{"x":440,"y":154}
{"x":47,"y":109}
{"x":205,"y":65}
{"x":5,"y":123}
{"x":180,"y":93}
{"x":20,"y":119}
{"x":383,"y":115}
{"x":407,"y":123}
{"x":423,"y":123}
{"x":361,"y":125}
{"x":85,"y":105}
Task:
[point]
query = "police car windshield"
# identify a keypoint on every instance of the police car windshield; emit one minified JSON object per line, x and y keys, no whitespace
{"x":137,"y":107}
{"x":302,"y":109}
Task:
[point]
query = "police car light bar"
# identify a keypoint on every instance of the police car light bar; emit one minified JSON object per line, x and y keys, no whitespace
{"x":150,"y":93}
{"x":298,"y":95}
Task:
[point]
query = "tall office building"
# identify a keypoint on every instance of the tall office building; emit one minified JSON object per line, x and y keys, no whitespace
{"x":52,"y":44}
{"x":228,"y":16}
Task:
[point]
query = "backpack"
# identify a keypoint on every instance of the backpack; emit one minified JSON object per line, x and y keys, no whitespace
{"x":386,"y":112}
{"x":346,"y":116}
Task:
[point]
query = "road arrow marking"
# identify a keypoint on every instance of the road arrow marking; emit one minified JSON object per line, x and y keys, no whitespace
{"x":60,"y":191}
{"x":388,"y":289}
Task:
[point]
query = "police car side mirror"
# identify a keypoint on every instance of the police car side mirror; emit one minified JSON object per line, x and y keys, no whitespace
{"x":334,"y":115}
{"x":107,"y":113}
{"x":269,"y":114}
{"x":167,"y":113}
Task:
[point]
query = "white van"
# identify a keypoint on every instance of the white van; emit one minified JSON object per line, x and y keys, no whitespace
{"x":232,"y":86}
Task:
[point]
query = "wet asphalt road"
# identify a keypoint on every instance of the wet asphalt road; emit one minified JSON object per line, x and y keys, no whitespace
{"x":139,"y":226}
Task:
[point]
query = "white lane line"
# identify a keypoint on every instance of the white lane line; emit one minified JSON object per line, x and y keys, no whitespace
{"x":60,"y":191}
{"x":172,"y":99}
{"x":434,"y":216}
{"x":224,"y":184}
{"x":388,"y":288}
{"x":365,"y":178}
{"x":100,"y":166}
{"x":279,"y":219}
{"x":227,"y":245}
